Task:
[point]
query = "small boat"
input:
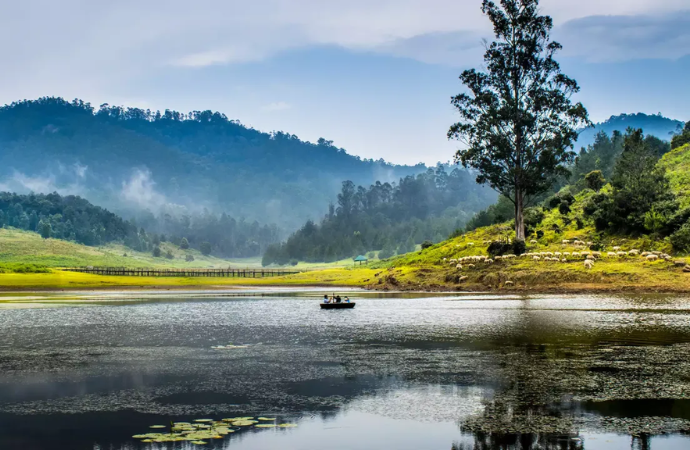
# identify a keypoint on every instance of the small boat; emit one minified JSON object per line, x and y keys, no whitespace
{"x":338,"y":305}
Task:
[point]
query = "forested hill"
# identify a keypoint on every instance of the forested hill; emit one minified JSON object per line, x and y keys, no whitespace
{"x":654,"y":125}
{"x":129,"y":159}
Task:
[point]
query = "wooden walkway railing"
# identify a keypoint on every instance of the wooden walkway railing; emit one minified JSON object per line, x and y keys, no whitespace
{"x":143,"y":272}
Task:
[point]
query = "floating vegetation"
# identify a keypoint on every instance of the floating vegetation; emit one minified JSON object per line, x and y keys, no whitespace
{"x":200,"y":431}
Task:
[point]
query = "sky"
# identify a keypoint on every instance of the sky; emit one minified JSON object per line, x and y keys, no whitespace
{"x":375,"y":76}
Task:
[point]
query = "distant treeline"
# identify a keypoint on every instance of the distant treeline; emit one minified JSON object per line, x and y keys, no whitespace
{"x":389,"y":217}
{"x":75,"y":219}
{"x":63,"y":217}
{"x":197,"y":159}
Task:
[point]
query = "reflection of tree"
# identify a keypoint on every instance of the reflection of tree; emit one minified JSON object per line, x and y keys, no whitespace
{"x":504,"y":441}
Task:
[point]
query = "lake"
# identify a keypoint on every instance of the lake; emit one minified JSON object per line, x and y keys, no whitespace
{"x":401,"y":371}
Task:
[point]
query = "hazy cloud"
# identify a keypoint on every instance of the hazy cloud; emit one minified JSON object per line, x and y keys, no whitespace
{"x":622,"y":38}
{"x":140,"y":190}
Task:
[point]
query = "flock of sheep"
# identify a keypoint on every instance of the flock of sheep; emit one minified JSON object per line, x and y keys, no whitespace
{"x":589,"y":257}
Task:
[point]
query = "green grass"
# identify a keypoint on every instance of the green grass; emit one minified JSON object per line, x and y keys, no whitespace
{"x":677,"y":165}
{"x":25,"y":247}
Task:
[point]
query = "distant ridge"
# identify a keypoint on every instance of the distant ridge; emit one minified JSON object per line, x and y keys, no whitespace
{"x":655,"y":124}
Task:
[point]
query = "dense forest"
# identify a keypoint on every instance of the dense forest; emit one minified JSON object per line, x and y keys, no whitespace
{"x":390,"y":217}
{"x":631,"y":190}
{"x":129,"y":160}
{"x":69,"y":217}
{"x":75,"y":219}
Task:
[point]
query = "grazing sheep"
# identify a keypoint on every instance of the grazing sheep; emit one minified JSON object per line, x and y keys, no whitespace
{"x":565,"y":242}
{"x":611,"y":254}
{"x":589,"y":264}
{"x":498,"y":258}
{"x":616,"y":248}
{"x":471,"y":266}
{"x":558,"y":254}
{"x":471,"y":244}
{"x":590,"y":257}
{"x":680,"y":263}
{"x":634,"y":252}
{"x":589,"y":244}
{"x":536,"y":258}
{"x":459,"y":267}
{"x":596,"y":254}
{"x":464,"y":278}
{"x":645,"y":254}
{"x":652,"y":258}
{"x":622,"y":254}
{"x":656,"y":253}
{"x":454,"y":261}
{"x":489,"y":261}
{"x":533,"y":241}
{"x":566,"y":254}
{"x":576,"y":254}
{"x":509,"y":283}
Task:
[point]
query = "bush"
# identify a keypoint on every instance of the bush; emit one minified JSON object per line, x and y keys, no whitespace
{"x":519,"y":247}
{"x":540,"y":234}
{"x":169,"y":255}
{"x":427,"y":244}
{"x":205,"y":248}
{"x":184,"y":244}
{"x":681,"y":239}
{"x":189,"y":258}
{"x":595,"y":180}
{"x":564,"y":208}
{"x":579,"y":223}
{"x":499,"y":248}
{"x":156,"y":252}
{"x":294,"y":262}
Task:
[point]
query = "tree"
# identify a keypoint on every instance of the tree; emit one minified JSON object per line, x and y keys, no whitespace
{"x":184,"y":243}
{"x":682,"y":138}
{"x":169,"y":254}
{"x":46,"y":230}
{"x":205,"y":248}
{"x":595,"y":180}
{"x":517,"y":120}
{"x":156,"y":252}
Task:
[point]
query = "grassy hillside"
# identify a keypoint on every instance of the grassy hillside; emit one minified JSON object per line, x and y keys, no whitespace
{"x":677,"y":165}
{"x":25,"y":247}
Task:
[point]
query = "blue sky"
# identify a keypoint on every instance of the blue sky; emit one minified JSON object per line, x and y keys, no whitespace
{"x":374,"y":76}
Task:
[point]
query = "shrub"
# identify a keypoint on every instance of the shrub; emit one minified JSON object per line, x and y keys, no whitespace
{"x":499,"y":248}
{"x":184,"y":244}
{"x":427,"y":244}
{"x":681,"y":239}
{"x":540,"y":234}
{"x":169,"y":255}
{"x":579,"y":223}
{"x":595,"y":180}
{"x":156,"y":252}
{"x":519,"y":247}
{"x":205,"y":248}
{"x":564,"y":208}
{"x":189,"y":258}
{"x":294,"y":262}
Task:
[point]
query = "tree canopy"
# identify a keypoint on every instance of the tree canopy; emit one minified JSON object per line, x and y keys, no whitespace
{"x":517,"y":119}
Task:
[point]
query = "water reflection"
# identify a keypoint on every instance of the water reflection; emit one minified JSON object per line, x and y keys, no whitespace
{"x":479,"y":372}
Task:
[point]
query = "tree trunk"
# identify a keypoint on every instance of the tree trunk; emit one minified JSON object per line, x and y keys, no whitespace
{"x":519,"y":216}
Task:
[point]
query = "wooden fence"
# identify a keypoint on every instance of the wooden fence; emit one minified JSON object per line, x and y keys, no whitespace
{"x":143,"y":272}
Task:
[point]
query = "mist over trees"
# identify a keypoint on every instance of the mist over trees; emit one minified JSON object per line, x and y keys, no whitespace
{"x":390,"y":217}
{"x":130,"y":159}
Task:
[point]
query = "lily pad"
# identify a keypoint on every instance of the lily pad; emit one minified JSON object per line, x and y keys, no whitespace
{"x":267,"y":418}
{"x":287,"y":425}
{"x":199,"y":442}
{"x":157,"y":426}
{"x":266,"y":425}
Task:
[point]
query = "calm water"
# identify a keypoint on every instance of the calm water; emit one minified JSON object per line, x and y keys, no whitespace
{"x":451,"y":372}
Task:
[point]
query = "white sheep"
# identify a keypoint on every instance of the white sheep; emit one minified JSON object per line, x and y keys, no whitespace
{"x":634,"y":252}
{"x":611,"y":254}
{"x":533,"y":241}
{"x":536,"y":258}
{"x":459,"y":267}
{"x":652,"y":258}
{"x":589,"y":264}
{"x":489,"y":261}
{"x":471,"y":244}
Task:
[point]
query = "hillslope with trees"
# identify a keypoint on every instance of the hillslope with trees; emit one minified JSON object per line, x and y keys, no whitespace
{"x":131,"y":160}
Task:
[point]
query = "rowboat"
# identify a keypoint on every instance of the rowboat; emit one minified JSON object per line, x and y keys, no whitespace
{"x":338,"y":305}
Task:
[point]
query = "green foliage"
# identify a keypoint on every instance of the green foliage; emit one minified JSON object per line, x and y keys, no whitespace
{"x":426,"y":207}
{"x":184,"y":244}
{"x":427,"y":244}
{"x":517,"y":118}
{"x":519,"y":247}
{"x":189,"y":258}
{"x":387,"y":251}
{"x":293,"y":262}
{"x":205,"y":248}
{"x":677,"y":166}
{"x":499,"y":248}
{"x":652,"y":124}
{"x":681,"y":138}
{"x":595,"y":180}
{"x":23,"y":268}
{"x":638,"y":185}
{"x":564,"y":208}
{"x":156,"y":252}
{"x":681,"y":239}
{"x":499,"y":212}
{"x":169,"y":255}
{"x":46,"y":229}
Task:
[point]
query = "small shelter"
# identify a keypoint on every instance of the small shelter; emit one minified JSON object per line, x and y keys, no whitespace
{"x":361,"y":259}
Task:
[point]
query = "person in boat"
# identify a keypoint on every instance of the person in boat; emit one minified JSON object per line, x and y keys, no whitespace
{"x":338,"y":299}
{"x":326,"y":299}
{"x":347,"y":299}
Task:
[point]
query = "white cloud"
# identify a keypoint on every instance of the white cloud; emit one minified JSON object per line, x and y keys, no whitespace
{"x":277,"y":106}
{"x":140,"y":190}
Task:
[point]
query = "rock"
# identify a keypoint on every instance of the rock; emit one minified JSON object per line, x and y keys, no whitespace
{"x":509,"y":283}
{"x":462,"y":279}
